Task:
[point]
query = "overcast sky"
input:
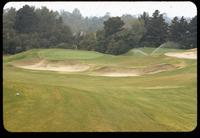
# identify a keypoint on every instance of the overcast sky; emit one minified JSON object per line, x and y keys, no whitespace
{"x":186,"y":9}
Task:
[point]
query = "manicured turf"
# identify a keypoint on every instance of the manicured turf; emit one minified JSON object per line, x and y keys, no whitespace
{"x":53,"y":101}
{"x":61,"y":54}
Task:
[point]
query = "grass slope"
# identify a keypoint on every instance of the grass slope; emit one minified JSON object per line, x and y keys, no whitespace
{"x":51,"y":101}
{"x":61,"y":54}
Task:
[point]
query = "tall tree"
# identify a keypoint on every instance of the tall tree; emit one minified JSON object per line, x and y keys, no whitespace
{"x":113,"y":25}
{"x":8,"y":30}
{"x":26,"y":20}
{"x":46,"y":19}
{"x":101,"y":41}
{"x":173,"y":30}
{"x":88,"y":42}
{"x":183,"y":30}
{"x":179,"y":31}
{"x":192,"y":35}
{"x":156,"y":30}
{"x":51,"y":27}
{"x":144,"y":17}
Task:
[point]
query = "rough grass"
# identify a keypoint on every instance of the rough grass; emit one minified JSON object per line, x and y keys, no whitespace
{"x":51,"y":101}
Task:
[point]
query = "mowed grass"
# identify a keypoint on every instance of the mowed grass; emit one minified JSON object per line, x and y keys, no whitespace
{"x":51,"y":101}
{"x":62,"y":54}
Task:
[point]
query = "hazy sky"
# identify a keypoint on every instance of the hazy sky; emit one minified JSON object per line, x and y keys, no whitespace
{"x":186,"y":9}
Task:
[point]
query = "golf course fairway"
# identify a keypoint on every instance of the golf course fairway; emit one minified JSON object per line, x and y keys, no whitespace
{"x":85,"y":91}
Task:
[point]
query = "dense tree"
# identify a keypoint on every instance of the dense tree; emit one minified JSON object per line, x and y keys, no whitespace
{"x":101,"y":41}
{"x":145,"y":18}
{"x":117,"y":47}
{"x":46,"y":19}
{"x":88,"y":42}
{"x":179,"y":32}
{"x":183,"y":31}
{"x":121,"y":39}
{"x":111,"y":39}
{"x":74,"y":20}
{"x":29,"y":28}
{"x":51,"y":27}
{"x":8,"y":30}
{"x":128,"y":20}
{"x":173,"y":30}
{"x":156,"y":30}
{"x":113,"y":25}
{"x":136,"y":33}
{"x":26,"y":20}
{"x":33,"y":28}
{"x":192,"y":35}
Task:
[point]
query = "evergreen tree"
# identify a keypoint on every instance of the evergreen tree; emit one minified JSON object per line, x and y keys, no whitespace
{"x":113,"y":25}
{"x":144,"y":17}
{"x":26,"y":20}
{"x":192,"y":35}
{"x":179,"y":32}
{"x":173,"y":30}
{"x":8,"y":30}
{"x":156,"y":30}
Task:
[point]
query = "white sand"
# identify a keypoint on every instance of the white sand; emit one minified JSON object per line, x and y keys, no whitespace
{"x":69,"y":66}
{"x":53,"y":67}
{"x":118,"y":74}
{"x":187,"y":55}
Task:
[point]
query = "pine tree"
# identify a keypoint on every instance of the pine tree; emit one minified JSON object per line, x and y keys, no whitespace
{"x":156,"y":30}
{"x":26,"y":20}
{"x":192,"y":36}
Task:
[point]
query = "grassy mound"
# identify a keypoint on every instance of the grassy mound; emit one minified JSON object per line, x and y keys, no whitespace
{"x":62,"y":54}
{"x":23,"y":55}
{"x":54,"y":54}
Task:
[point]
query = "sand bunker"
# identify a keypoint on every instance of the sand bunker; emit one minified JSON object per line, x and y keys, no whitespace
{"x":187,"y":55}
{"x":125,"y":72}
{"x":75,"y":66}
{"x":116,"y":72}
{"x":72,"y":66}
{"x":193,"y":49}
{"x":61,"y":67}
{"x":158,"y":68}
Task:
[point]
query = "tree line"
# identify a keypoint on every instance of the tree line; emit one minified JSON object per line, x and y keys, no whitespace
{"x":31,"y":27}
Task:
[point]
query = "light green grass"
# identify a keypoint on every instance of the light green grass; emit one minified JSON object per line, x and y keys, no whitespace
{"x":62,"y":54}
{"x":24,"y":55}
{"x":51,"y":101}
